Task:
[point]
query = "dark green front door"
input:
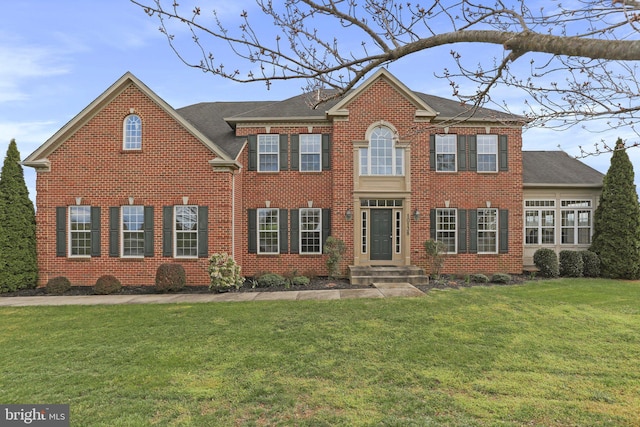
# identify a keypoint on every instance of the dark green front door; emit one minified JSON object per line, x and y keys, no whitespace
{"x":381,"y":234}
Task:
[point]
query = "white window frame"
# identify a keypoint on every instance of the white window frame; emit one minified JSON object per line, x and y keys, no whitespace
{"x":180,"y":235}
{"x":542,"y":210}
{"x":263,"y":214}
{"x":132,"y":133}
{"x":487,"y":229}
{"x":487,"y":145}
{"x":446,"y":145}
{"x":314,"y":233}
{"x":129,"y":234}
{"x":364,"y":230}
{"x":315,"y":141}
{"x":79,"y":231}
{"x":442,"y":230}
{"x":576,"y":208}
{"x":394,"y":163}
{"x":273,"y":140}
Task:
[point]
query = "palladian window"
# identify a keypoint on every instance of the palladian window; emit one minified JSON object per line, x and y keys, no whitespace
{"x":381,"y":157}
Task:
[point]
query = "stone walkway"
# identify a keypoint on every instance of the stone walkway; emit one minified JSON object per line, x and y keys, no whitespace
{"x":379,"y":290}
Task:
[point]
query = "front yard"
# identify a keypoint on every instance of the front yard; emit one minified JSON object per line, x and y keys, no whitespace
{"x":546,"y":353}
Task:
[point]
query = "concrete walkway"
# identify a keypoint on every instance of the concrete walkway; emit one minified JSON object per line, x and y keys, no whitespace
{"x":379,"y":290}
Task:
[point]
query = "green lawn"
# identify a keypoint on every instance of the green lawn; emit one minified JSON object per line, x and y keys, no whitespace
{"x":555,"y":353}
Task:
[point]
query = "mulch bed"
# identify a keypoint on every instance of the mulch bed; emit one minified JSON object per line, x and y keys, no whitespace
{"x":318,"y":283}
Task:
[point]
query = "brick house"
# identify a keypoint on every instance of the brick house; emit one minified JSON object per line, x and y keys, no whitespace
{"x":131,"y":183}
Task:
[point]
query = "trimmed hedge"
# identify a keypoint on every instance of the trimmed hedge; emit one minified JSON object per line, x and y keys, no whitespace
{"x":547,"y":262}
{"x":501,"y":278}
{"x":106,"y":285}
{"x":479,"y":278}
{"x":170,"y":277}
{"x":571,"y":264}
{"x":270,"y":280}
{"x":58,"y":285}
{"x":591,"y":262}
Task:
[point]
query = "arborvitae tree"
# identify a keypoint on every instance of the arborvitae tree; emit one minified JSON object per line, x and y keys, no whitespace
{"x":18,"y":259}
{"x":616,"y":237}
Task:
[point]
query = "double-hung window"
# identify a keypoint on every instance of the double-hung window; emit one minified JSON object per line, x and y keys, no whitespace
{"x":446,"y":146}
{"x":186,"y":231}
{"x":487,"y":231}
{"x":381,"y":157}
{"x":132,"y":231}
{"x":268,"y":153}
{"x":268,"y":235}
{"x":132,"y":133}
{"x":487,"y":153}
{"x":446,"y":228}
{"x":576,"y":222}
{"x":80,"y":231}
{"x":310,"y":231}
{"x":310,"y":153}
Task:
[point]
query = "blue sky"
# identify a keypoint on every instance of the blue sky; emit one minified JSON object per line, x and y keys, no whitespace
{"x":58,"y":56}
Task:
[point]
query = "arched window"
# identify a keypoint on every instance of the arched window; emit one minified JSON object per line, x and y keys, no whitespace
{"x":381,"y":157}
{"x":132,"y":133}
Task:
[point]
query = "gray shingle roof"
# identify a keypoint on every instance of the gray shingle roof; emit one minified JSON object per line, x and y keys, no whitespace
{"x":549,"y":168}
{"x":208,"y":118}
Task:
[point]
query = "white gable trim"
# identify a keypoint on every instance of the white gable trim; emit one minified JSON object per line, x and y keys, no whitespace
{"x":38,"y":159}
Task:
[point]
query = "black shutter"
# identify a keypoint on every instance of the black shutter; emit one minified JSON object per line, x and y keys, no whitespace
{"x":253,"y":230}
{"x":503,"y":152}
{"x":284,"y":152}
{"x":167,"y":231}
{"x":326,"y":151}
{"x":253,"y":152}
{"x":284,"y":231}
{"x":462,"y":231}
{"x":148,"y":231}
{"x":114,"y":231}
{"x":473,"y":231}
{"x":295,"y":231}
{"x":61,"y":231}
{"x":326,"y":226}
{"x":503,"y":224}
{"x":95,"y":231}
{"x":295,"y":152}
{"x":432,"y":152}
{"x":473,"y":152}
{"x":203,"y":231}
{"x":462,"y":153}
{"x":432,"y":224}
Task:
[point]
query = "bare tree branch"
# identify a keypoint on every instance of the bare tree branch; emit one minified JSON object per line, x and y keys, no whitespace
{"x":582,"y":56}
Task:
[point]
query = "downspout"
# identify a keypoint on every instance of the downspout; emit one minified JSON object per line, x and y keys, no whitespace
{"x":233,"y":214}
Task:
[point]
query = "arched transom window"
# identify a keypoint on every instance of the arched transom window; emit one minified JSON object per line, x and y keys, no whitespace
{"x":132,"y":133}
{"x":381,"y":157}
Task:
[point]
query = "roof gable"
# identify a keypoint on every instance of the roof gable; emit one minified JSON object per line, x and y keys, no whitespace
{"x":38,"y":159}
{"x":423,"y":111}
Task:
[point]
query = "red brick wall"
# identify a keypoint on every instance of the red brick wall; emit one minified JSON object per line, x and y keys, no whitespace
{"x":285,"y":190}
{"x":91,"y":164}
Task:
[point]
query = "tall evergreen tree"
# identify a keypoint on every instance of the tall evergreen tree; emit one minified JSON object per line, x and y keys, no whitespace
{"x":616,"y":237}
{"x":19,"y":265}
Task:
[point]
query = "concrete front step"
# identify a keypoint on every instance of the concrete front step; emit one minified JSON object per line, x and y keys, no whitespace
{"x":368,"y":275}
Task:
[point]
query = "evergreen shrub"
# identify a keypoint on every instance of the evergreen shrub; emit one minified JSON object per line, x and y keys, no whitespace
{"x":270,"y":280}
{"x":106,"y":285}
{"x":571,"y":264}
{"x":591,"y":263}
{"x":479,"y":278}
{"x":58,"y":285}
{"x":501,"y":278}
{"x":300,"y":281}
{"x":547,"y":262}
{"x":224,"y":272}
{"x":170,"y":277}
